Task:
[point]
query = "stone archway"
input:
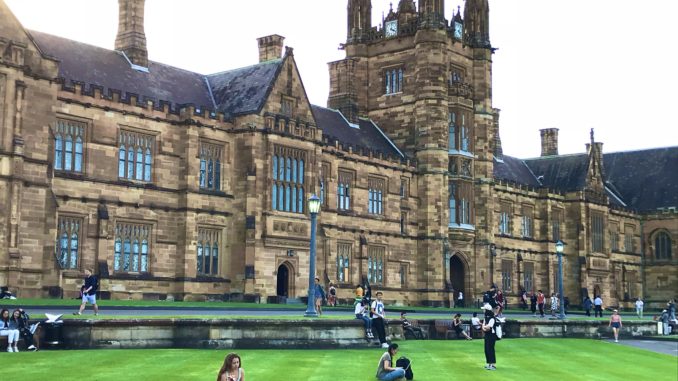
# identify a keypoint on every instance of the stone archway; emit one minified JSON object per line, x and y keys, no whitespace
{"x":285,"y":280}
{"x":458,"y":272}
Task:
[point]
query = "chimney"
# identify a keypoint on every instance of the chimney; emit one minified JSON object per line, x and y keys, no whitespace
{"x":270,"y":47}
{"x":131,"y":38}
{"x":549,"y":142}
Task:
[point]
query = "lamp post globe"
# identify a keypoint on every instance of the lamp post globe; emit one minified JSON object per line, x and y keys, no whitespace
{"x":560,"y":247}
{"x":313,"y":209}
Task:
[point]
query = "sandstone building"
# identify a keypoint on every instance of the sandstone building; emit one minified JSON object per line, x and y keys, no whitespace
{"x":169,"y":182}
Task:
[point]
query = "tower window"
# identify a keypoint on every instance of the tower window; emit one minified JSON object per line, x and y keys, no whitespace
{"x":393,"y":81}
{"x":662,"y":246}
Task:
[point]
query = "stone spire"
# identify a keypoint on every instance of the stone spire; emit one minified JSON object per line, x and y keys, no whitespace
{"x":359,"y":19}
{"x":131,"y":38}
{"x":477,"y":23}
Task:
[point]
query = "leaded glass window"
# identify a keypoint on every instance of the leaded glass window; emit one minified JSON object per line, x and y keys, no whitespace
{"x":69,"y":140}
{"x":131,"y":247}
{"x":135,"y":156}
{"x":68,"y":242}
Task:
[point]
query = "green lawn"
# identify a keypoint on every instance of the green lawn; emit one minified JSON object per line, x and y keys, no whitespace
{"x":523,"y":360}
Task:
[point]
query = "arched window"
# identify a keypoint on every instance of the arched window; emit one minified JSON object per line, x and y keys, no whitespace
{"x":452,"y":132}
{"x":147,"y":170}
{"x":127,"y":247}
{"x":135,"y":256}
{"x":203,"y":173}
{"x":662,"y":246}
{"x":140,"y":165}
{"x":135,"y":158}
{"x":73,"y":263}
{"x":68,"y":153}
{"x":275,"y":167}
{"x":130,"y":163}
{"x":208,"y":258}
{"x":64,"y":250}
{"x":78,"y":154}
{"x":215,"y":258}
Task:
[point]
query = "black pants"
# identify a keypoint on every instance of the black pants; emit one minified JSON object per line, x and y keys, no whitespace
{"x":541,"y":309}
{"x":27,"y":336}
{"x":598,"y":310}
{"x":490,"y":340}
{"x":588,"y":312}
{"x":460,"y":303}
{"x":378,"y":325}
{"x":533,"y":307}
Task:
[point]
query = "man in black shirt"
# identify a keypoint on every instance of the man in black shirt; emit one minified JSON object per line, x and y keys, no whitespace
{"x":89,"y":292}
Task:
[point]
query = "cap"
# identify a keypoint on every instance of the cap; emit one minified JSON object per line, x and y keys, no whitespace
{"x":486,"y":307}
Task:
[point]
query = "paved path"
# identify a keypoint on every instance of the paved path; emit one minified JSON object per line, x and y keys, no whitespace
{"x":659,"y":346}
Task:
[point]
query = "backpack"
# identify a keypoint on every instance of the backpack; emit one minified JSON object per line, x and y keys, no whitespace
{"x":498,"y":330}
{"x":404,"y":363}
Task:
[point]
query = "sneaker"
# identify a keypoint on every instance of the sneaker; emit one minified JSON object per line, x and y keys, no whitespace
{"x":77,"y":313}
{"x":32,"y":348}
{"x":10,"y":349}
{"x":492,"y":367}
{"x":16,"y":349}
{"x":384,"y":345}
{"x":616,"y":341}
{"x":488,"y":367}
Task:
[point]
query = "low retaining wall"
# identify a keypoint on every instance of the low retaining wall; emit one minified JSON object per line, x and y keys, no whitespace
{"x":311,"y":334}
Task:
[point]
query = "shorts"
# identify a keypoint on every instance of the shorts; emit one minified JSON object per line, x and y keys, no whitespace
{"x":616,"y":325}
{"x":91,"y":299}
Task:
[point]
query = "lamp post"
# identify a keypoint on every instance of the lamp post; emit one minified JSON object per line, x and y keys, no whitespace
{"x":313,"y":209}
{"x":559,"y":251}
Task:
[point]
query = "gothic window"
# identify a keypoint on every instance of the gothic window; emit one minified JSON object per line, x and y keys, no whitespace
{"x":375,"y":264}
{"x":506,"y":270}
{"x":556,"y":219}
{"x":662,"y":246}
{"x":287,"y":106}
{"x":452,"y":203}
{"x":528,"y":276}
{"x":323,"y":180}
{"x":614,"y":237}
{"x":210,"y":166}
{"x":69,"y":140}
{"x":452,"y":131}
{"x":375,"y":195}
{"x":344,"y":189}
{"x":456,"y":76}
{"x":393,"y":80}
{"x":132,"y":248}
{"x":287,"y":189}
{"x":460,"y":194}
{"x":629,"y":242}
{"x":527,"y":225}
{"x":68,"y":242}
{"x":135,"y":156}
{"x":404,"y":185}
{"x":465,"y":136}
{"x":343,"y":262}
{"x":597,"y":232}
{"x":505,"y":219}
{"x":208,"y":251}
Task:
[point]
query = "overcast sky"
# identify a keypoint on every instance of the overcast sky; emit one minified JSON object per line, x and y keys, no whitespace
{"x":574,"y":65}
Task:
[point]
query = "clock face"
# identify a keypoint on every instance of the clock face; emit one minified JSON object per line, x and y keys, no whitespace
{"x":458,"y":29}
{"x":391,"y":28}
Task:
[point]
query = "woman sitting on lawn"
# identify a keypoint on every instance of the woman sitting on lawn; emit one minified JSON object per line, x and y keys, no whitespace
{"x":231,"y":370}
{"x":385,"y":370}
{"x":616,"y":324}
{"x":458,"y":328}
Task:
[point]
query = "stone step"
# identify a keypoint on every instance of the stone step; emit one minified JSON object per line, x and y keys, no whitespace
{"x":293,"y":301}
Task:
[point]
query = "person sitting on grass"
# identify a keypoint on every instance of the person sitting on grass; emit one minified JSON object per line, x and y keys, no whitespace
{"x":616,"y":324}
{"x":232,"y":369}
{"x":458,"y":328}
{"x":8,"y":328}
{"x":385,"y":370}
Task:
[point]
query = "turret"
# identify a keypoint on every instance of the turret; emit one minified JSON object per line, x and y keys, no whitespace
{"x":432,"y":14}
{"x":477,"y":24}
{"x":131,"y":38}
{"x":359,"y":19}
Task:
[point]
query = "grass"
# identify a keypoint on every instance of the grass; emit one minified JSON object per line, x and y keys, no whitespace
{"x":524,"y":360}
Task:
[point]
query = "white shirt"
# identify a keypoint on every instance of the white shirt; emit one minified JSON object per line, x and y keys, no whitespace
{"x":639,"y":304}
{"x":475,"y":322}
{"x":359,"y":309}
{"x":461,"y":295}
{"x":378,"y":307}
{"x":598,"y":301}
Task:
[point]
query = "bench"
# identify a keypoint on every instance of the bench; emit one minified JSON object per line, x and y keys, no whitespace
{"x":36,"y":340}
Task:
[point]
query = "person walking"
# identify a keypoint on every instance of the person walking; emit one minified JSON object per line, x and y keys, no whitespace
{"x":588,"y":304}
{"x":89,"y":293}
{"x":598,"y":306}
{"x":385,"y":370}
{"x":490,"y":337}
{"x":639,"y":307}
{"x":616,"y":324}
{"x":378,"y":319}
{"x":232,"y":369}
{"x":541,"y":299}
{"x":319,"y":297}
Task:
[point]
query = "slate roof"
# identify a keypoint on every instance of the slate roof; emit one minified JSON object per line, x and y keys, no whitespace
{"x":365,"y":134}
{"x":244,"y":90}
{"x":641,"y":180}
{"x":234,"y":92}
{"x":514,"y":170}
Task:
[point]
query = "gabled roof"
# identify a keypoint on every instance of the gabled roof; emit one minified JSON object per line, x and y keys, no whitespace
{"x":365,"y":134}
{"x":234,"y":92}
{"x":88,"y":64}
{"x":244,"y":90}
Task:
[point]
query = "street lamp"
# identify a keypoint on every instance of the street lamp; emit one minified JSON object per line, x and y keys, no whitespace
{"x":560,"y":246}
{"x":313,"y":209}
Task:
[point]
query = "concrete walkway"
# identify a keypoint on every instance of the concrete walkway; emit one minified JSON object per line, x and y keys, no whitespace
{"x":660,"y":346}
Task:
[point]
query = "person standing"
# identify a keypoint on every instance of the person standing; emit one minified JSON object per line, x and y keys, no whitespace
{"x":319,"y":297}
{"x":554,"y":304}
{"x":490,"y":337}
{"x":588,"y":304}
{"x":501,"y":302}
{"x":332,"y":298}
{"x":385,"y":370}
{"x":460,"y":299}
{"x":616,"y":324}
{"x":232,"y":369}
{"x":664,"y":318}
{"x":598,"y":306}
{"x":89,"y":293}
{"x":672,"y":309}
{"x":541,"y":299}
{"x":639,"y":307}
{"x":378,"y":318}
{"x":533,"y":304}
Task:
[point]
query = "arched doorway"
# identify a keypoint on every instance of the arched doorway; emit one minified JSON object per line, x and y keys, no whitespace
{"x":596,"y":290}
{"x":283,"y":288}
{"x":458,"y":276}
